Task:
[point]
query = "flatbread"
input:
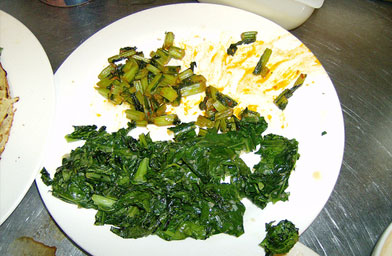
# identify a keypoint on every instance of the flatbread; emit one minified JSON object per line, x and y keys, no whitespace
{"x":7,"y":110}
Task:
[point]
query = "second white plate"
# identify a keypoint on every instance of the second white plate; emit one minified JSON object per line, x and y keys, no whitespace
{"x":31,"y":79}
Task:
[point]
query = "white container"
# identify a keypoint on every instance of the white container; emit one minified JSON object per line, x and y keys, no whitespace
{"x":287,"y":13}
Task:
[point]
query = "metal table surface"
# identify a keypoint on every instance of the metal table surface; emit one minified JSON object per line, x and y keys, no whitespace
{"x":353,"y":41}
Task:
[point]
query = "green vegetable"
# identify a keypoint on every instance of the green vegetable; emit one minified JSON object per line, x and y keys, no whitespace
{"x":169,"y":93}
{"x":191,"y":186}
{"x":282,"y":100}
{"x":270,"y":177}
{"x":45,"y":176}
{"x":169,"y":40}
{"x":261,"y":67}
{"x":218,"y":111}
{"x":173,"y":189}
{"x":280,"y":238}
{"x":246,"y":38}
{"x":176,"y":52}
{"x":166,"y":120}
{"x":147,"y":85}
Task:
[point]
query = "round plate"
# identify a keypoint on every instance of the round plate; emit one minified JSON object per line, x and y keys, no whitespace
{"x":313,"y":117}
{"x":384,"y":244}
{"x":30,"y":77}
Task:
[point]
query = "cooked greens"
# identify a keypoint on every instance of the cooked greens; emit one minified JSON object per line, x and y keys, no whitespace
{"x":280,"y":238}
{"x":261,"y":66}
{"x":149,"y":84}
{"x":282,"y":100}
{"x":247,"y":37}
{"x":191,"y":186}
{"x":218,"y":111}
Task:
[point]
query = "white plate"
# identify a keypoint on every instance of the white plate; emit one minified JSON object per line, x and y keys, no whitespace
{"x":31,"y":79}
{"x":314,"y":108}
{"x":300,"y":249}
{"x":384,"y":244}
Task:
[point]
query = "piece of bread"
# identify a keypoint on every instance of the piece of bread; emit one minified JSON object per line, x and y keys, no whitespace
{"x":6,"y":109}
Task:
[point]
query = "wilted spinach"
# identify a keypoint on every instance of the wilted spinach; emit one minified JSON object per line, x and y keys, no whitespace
{"x":174,"y":189}
{"x":280,"y":238}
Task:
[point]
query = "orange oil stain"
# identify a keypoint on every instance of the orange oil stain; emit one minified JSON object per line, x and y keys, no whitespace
{"x":237,"y":111}
{"x":262,"y":79}
{"x":252,"y":107}
{"x":194,"y":54}
{"x":275,"y":65}
{"x":279,"y":85}
{"x":214,"y":57}
{"x":288,"y":77}
{"x":170,"y":111}
{"x":248,"y":80}
{"x":188,"y":106}
{"x":226,"y":59}
{"x":239,"y":61}
{"x":246,"y":91}
{"x":316,"y":175}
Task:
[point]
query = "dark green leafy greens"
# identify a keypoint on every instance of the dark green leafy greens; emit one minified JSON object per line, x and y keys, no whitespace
{"x":280,"y":238}
{"x":178,"y":188}
{"x":270,"y":176}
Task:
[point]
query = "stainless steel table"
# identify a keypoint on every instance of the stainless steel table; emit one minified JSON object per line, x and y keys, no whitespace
{"x":351,"y":38}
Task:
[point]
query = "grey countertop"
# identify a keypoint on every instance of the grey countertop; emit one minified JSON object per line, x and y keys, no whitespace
{"x":353,"y":41}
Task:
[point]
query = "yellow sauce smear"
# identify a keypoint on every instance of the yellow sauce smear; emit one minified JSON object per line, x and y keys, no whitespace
{"x":233,"y":75}
{"x":237,"y":111}
{"x":187,"y":107}
{"x":252,"y":107}
{"x":213,"y":57}
{"x":232,"y":63}
{"x":316,"y":175}
{"x":288,"y":77}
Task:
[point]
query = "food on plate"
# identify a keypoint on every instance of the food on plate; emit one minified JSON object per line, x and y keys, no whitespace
{"x":282,"y":100}
{"x":149,"y":85}
{"x":7,"y":110}
{"x":191,"y":186}
{"x":218,"y":111}
{"x":261,"y":67}
{"x":246,"y":38}
{"x":280,"y":238}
